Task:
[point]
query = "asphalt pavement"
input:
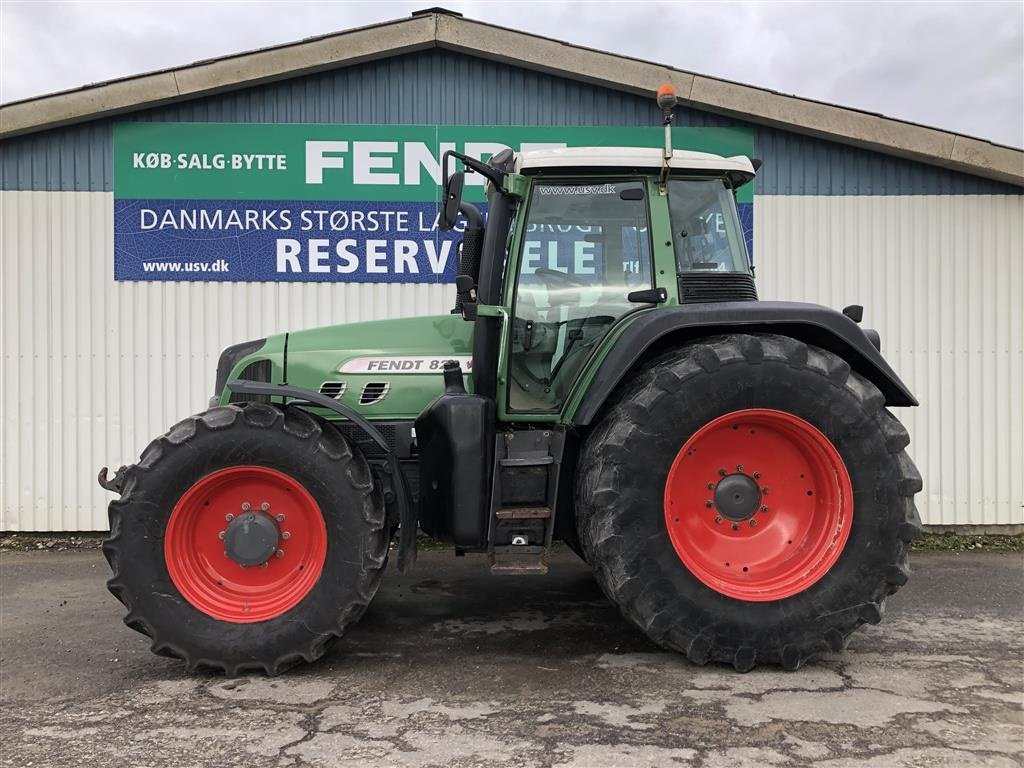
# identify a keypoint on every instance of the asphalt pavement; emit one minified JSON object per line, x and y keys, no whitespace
{"x":453,"y":667}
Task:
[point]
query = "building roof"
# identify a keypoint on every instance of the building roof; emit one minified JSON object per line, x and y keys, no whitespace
{"x":438,"y":28}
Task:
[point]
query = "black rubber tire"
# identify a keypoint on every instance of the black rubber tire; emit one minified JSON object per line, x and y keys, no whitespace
{"x":289,"y":440}
{"x":620,"y":506}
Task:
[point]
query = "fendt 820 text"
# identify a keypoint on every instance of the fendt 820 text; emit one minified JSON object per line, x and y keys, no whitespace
{"x":728,"y":467}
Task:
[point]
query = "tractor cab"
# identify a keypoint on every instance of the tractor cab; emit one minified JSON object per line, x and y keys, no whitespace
{"x":596,"y":234}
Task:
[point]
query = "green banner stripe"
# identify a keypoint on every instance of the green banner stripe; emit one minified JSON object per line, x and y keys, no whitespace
{"x":246,"y":161}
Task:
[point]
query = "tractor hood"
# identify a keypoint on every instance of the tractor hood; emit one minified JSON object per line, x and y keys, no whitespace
{"x":386,"y":369}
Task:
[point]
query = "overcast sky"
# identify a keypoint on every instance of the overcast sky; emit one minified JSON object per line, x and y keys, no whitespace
{"x":954,"y":65}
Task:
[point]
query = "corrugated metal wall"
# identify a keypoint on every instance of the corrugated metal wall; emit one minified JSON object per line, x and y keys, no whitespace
{"x":93,"y":369}
{"x":942,"y":279}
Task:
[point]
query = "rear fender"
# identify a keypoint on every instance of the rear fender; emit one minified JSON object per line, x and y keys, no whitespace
{"x":650,"y":332}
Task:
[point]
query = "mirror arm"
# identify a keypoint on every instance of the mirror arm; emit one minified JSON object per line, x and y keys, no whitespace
{"x":490,"y":173}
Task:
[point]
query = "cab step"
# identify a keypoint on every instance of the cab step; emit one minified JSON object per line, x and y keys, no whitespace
{"x":527,"y":461}
{"x":519,"y":560}
{"x":523,"y":500}
{"x":524,"y":513}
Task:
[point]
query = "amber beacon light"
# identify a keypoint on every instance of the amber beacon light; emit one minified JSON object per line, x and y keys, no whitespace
{"x":667,"y":101}
{"x":666,"y":98}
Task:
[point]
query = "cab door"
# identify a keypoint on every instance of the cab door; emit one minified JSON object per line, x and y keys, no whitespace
{"x":583,"y":247}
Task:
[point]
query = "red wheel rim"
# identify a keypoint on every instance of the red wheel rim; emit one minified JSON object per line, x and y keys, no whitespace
{"x":801,"y":519}
{"x":209,"y":579}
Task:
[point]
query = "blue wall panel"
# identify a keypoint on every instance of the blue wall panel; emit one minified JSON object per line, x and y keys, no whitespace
{"x":76,"y":158}
{"x":443,"y":87}
{"x":802,"y":165}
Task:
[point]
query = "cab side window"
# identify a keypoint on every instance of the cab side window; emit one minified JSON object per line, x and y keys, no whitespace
{"x":705,"y":228}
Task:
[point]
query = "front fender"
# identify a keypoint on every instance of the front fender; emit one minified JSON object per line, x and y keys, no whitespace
{"x":301,"y":397}
{"x":810,"y":323}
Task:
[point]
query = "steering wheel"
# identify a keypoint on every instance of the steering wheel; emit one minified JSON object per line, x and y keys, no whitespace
{"x":555,"y":275}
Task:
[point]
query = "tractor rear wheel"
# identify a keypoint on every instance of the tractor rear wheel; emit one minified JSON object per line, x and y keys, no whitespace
{"x":247,"y":537}
{"x":747,"y":499}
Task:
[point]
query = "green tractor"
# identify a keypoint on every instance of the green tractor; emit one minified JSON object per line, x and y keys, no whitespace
{"x":728,"y":467}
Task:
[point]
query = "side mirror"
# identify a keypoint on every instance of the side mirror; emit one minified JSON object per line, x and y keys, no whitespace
{"x":452,"y":200}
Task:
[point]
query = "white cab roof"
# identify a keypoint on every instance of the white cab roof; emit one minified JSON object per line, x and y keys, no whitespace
{"x":629,"y":157}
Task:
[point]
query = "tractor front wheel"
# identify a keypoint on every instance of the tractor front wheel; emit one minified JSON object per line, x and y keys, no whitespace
{"x":747,"y":499}
{"x":247,"y":538}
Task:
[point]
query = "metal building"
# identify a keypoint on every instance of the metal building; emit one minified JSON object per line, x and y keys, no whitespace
{"x":922,"y":226}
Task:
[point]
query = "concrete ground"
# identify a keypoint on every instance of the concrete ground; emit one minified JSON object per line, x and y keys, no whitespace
{"x":453,"y":667}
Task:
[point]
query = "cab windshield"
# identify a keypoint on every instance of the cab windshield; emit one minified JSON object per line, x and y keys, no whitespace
{"x":705,"y":228}
{"x":586,"y":246}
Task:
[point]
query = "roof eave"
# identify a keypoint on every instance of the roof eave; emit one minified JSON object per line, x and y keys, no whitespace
{"x":206,"y":78}
{"x":746,"y":102}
